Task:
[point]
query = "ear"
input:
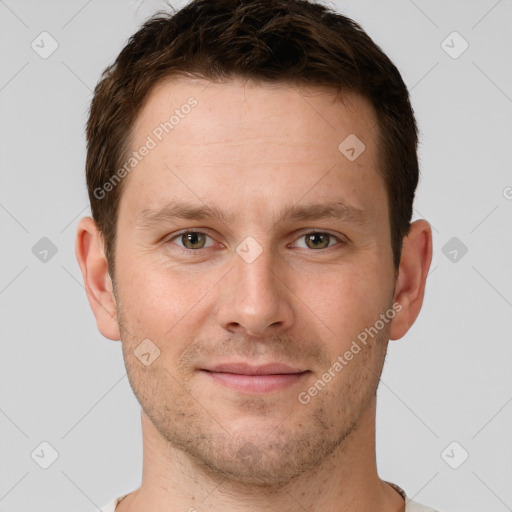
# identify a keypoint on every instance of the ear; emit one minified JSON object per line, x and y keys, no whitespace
{"x":89,"y":250}
{"x":412,"y":276}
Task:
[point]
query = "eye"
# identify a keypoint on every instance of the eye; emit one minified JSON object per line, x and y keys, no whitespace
{"x":318,"y":240}
{"x":192,"y":240}
{"x":195,"y":240}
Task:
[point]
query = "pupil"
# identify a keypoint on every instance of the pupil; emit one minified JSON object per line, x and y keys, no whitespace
{"x":318,"y":239}
{"x":193,"y":239}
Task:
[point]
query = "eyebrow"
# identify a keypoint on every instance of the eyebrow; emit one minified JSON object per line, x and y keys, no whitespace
{"x":336,"y":210}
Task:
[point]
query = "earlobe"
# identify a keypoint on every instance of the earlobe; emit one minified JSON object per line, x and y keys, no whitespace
{"x":90,"y":254}
{"x":412,"y":275}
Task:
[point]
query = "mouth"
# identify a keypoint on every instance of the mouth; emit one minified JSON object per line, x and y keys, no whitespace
{"x":255,"y":379}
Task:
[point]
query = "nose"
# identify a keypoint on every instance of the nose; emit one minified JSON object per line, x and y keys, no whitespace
{"x":254,"y":299}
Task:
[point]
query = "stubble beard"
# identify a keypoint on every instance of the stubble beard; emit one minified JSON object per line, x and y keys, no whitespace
{"x":300,"y":442}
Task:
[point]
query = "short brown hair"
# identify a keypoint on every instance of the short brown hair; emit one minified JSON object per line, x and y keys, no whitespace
{"x":276,"y":41}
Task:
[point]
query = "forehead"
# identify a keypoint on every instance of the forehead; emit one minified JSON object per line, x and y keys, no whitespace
{"x":239,"y":109}
{"x":265,"y":142}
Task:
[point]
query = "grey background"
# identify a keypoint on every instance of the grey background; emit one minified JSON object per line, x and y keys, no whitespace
{"x":447,"y":380}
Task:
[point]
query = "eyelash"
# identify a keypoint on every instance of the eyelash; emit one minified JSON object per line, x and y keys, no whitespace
{"x":186,"y":231}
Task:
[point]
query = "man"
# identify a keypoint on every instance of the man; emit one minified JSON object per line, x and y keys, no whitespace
{"x":251,"y":168}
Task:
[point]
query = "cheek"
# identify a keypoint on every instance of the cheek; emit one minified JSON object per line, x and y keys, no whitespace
{"x":347,"y":300}
{"x":148,"y":301}
{"x":161,"y":303}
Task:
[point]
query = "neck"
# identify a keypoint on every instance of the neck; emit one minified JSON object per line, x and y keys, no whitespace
{"x":346,"y":480}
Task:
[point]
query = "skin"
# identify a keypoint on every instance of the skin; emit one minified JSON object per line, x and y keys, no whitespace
{"x":251,"y":150}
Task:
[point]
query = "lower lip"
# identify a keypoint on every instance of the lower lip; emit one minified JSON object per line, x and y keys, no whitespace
{"x":256,"y":383}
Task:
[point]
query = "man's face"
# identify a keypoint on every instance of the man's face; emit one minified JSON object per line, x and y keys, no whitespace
{"x":274,"y":281}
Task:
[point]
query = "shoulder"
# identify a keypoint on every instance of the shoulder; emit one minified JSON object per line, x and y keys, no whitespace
{"x":413,"y":506}
{"x":111,"y":505}
{"x":410,"y":505}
